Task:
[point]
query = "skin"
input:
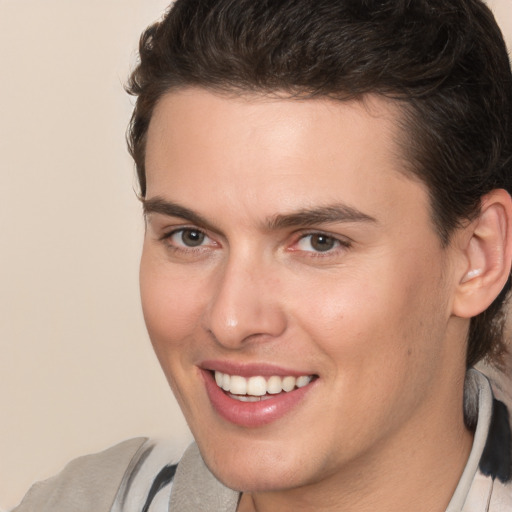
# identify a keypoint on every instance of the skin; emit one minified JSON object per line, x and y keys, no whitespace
{"x":372,"y":317}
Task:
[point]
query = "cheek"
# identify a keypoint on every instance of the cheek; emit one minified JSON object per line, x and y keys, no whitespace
{"x":171,"y":302}
{"x":362,"y":319}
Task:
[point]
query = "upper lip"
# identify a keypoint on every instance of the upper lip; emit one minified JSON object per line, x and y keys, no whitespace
{"x":251,"y":369}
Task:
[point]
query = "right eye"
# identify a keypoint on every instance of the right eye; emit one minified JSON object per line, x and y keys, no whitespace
{"x":188,"y":238}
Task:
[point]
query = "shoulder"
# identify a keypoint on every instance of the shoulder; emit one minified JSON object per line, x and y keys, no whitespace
{"x":490,"y":481}
{"x":91,"y":482}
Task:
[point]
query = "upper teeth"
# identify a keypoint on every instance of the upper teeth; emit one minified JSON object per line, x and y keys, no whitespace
{"x":259,"y":386}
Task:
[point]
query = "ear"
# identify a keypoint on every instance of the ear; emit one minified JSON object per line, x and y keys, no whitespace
{"x":487,"y":252}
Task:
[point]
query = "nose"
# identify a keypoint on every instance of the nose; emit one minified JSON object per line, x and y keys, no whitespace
{"x":246,"y":304}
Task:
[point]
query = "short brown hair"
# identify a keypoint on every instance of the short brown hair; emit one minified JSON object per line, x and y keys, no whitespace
{"x":444,"y":62}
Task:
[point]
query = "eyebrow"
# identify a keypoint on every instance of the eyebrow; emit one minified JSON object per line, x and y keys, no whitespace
{"x":171,"y":209}
{"x":303,"y":217}
{"x":320,"y":215}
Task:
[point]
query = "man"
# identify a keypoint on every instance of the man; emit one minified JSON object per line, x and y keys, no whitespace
{"x":327,"y":253}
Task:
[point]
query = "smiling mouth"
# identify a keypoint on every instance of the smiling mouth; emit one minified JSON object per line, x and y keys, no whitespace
{"x":257,"y":388}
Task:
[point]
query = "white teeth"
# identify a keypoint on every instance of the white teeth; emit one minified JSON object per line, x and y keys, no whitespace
{"x":289,"y":383}
{"x":238,"y":385}
{"x":226,"y":382}
{"x":256,"y":386}
{"x":302,"y":381}
{"x":246,"y":398}
{"x":249,"y":390}
{"x":274,"y":385}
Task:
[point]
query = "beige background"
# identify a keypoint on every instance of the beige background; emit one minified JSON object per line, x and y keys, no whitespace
{"x":76,"y":370}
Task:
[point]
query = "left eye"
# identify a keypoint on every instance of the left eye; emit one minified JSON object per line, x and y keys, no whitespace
{"x":317,"y":242}
{"x":188,"y":238}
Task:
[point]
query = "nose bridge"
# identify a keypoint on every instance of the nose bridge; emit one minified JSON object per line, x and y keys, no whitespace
{"x":245,"y":305}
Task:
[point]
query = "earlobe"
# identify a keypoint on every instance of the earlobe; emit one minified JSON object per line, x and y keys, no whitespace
{"x":488,"y":255}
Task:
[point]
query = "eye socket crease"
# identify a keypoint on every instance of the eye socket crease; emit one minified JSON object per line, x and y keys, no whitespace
{"x":306,"y":217}
{"x":197,"y":237}
{"x":319,"y":243}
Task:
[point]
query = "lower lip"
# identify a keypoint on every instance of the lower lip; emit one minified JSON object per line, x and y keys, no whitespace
{"x":252,"y":414}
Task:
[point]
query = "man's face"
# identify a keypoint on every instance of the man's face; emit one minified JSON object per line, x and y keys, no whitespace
{"x":284,"y":241}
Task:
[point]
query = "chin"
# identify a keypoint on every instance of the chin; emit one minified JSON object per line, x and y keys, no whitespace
{"x":248,"y":480}
{"x":254,"y":470}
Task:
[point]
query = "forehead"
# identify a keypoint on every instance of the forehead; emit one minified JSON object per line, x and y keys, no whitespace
{"x":272,"y":152}
{"x":264,"y":120}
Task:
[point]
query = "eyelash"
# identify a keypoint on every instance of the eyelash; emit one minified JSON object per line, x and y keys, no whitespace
{"x":339,"y":244}
{"x":167,"y":238}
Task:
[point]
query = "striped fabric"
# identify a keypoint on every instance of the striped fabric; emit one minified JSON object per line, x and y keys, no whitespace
{"x":485,"y":486}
